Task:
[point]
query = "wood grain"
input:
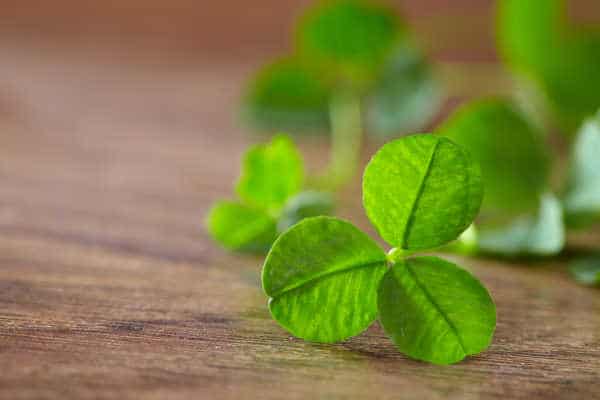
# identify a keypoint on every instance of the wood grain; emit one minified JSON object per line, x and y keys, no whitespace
{"x":110,"y":288}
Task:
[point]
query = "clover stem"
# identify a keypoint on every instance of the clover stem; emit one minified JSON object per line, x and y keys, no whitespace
{"x":346,"y":138}
{"x":397,"y":254}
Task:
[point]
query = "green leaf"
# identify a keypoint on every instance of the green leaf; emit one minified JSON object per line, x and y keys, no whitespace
{"x":513,"y":159}
{"x":541,"y":235}
{"x":435,"y":311}
{"x":536,"y":39}
{"x":421,"y":191}
{"x":586,"y":270}
{"x":582,"y":199}
{"x":405,"y":96}
{"x":287,"y":95}
{"x":321,"y":277}
{"x":241,"y":228}
{"x":305,"y":205}
{"x":351,"y":38}
{"x":271,"y":173}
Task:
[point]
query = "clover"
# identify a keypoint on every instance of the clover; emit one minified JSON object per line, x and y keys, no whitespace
{"x":353,"y":65}
{"x":270,"y":199}
{"x":328,"y":281}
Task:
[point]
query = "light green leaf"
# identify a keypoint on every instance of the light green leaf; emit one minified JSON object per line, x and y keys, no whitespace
{"x":512,"y":155}
{"x":421,"y":191}
{"x":305,"y":205}
{"x":288,"y":96}
{"x":582,"y":200}
{"x":542,"y":234}
{"x":536,"y":38}
{"x":271,"y":173}
{"x":351,"y":38}
{"x":405,"y":96}
{"x":241,"y":228}
{"x":586,"y":270}
{"x":322,"y":276}
{"x":435,"y":311}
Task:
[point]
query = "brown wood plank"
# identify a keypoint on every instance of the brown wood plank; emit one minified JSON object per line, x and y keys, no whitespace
{"x":110,"y":288}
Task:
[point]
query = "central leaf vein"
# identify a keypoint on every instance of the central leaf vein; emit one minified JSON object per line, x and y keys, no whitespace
{"x":324,"y":275}
{"x":418,"y":195}
{"x":437,"y":308}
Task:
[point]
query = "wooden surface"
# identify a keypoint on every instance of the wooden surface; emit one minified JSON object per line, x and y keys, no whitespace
{"x":110,"y":288}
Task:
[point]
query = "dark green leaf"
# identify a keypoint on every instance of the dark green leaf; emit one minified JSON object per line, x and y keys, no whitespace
{"x":582,"y":200}
{"x":405,"y":96}
{"x":304,"y":205}
{"x":435,"y":311}
{"x":536,"y":39}
{"x":271,"y":174}
{"x":421,"y":191}
{"x":542,"y":234}
{"x":321,"y":276}
{"x":511,"y":153}
{"x":351,"y":38}
{"x":288,"y":96}
{"x":241,"y":228}
{"x":586,"y":270}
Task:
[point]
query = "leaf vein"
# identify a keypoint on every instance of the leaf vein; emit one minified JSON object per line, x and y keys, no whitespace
{"x":418,"y":195}
{"x":326,"y":274}
{"x":437,"y":308}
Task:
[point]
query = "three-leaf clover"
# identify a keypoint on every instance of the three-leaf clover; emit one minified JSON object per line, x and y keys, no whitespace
{"x":328,"y":281}
{"x":519,"y":214}
{"x":351,"y":59}
{"x":270,"y":199}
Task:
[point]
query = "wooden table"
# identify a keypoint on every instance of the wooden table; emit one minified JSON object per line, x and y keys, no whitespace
{"x":111,"y":288}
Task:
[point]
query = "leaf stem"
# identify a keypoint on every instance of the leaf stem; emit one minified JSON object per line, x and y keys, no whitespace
{"x":346,"y":139}
{"x":396,"y":255}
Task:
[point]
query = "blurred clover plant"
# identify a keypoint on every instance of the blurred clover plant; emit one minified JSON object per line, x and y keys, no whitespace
{"x":354,"y":65}
{"x":536,"y":39}
{"x":328,"y":281}
{"x":270,"y":199}
{"x":522,"y":214}
{"x":519,"y":215}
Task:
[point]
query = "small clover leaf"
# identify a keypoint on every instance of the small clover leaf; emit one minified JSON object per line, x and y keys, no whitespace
{"x":586,"y":270}
{"x":582,"y":198}
{"x":421,"y":191}
{"x":541,"y":234}
{"x":287,"y":95}
{"x":404,"y":96}
{"x":350,"y":37}
{"x":435,"y":311}
{"x":269,"y":199}
{"x":327,"y":280}
{"x":271,"y":174}
{"x":241,"y":228}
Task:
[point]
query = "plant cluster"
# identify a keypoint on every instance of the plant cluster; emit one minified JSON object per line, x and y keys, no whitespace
{"x":353,"y":63}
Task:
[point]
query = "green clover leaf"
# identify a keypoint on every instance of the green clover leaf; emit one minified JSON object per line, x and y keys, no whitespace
{"x":421,"y":191}
{"x":322,"y":278}
{"x":435,"y":311}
